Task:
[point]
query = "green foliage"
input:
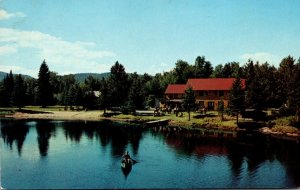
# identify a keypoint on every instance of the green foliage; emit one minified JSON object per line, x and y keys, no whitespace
{"x":19,"y":91}
{"x":189,"y":100}
{"x":266,"y":86}
{"x":202,"y":68}
{"x":45,"y":94}
{"x":6,"y":91}
{"x":104,"y":96}
{"x":118,"y":84}
{"x":236,"y":96}
{"x":230,"y":70}
{"x":136,"y":94}
{"x":183,"y":71}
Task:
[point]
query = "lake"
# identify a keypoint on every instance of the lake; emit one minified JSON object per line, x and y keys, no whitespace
{"x":40,"y":154}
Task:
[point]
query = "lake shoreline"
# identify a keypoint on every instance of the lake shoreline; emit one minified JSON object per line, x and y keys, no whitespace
{"x":96,"y":116}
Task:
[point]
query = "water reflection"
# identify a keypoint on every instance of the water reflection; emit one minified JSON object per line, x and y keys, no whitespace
{"x":45,"y":130}
{"x":254,"y":149}
{"x":117,"y":135}
{"x":14,"y":132}
{"x":244,"y":153}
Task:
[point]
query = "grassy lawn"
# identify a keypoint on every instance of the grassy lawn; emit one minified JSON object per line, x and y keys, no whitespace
{"x":183,"y":121}
{"x":212,"y":120}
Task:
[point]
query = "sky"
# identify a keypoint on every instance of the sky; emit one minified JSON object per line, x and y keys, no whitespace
{"x":145,"y":36}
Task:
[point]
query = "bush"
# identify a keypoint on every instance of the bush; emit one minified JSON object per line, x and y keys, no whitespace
{"x":128,"y":107}
{"x":284,"y":111}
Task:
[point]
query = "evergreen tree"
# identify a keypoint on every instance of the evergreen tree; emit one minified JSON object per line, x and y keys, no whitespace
{"x":79,"y":97}
{"x":4,"y":95}
{"x":10,"y":87}
{"x":294,"y":94}
{"x":30,"y":91}
{"x":286,"y":71}
{"x":118,"y":84}
{"x":104,"y":96}
{"x":45,"y":95}
{"x":19,"y":92}
{"x":236,"y":97}
{"x":189,"y":100}
{"x":136,"y":93}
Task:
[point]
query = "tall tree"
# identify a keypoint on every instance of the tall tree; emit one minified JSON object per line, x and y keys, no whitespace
{"x":286,"y":71}
{"x":218,"y":71}
{"x":4,"y":94}
{"x":294,"y":94}
{"x":19,"y":92}
{"x":118,"y":83}
{"x":236,"y":98}
{"x":45,"y":95}
{"x":136,"y":93}
{"x":30,"y":91}
{"x":189,"y":100}
{"x":202,"y":68}
{"x":183,"y":71}
{"x":104,"y":96}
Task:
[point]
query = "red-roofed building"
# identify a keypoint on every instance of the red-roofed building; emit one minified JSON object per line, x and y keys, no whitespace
{"x":208,"y":92}
{"x":175,"y":91}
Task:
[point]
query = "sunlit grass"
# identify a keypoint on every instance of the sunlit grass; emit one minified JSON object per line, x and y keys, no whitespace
{"x":213,"y":120}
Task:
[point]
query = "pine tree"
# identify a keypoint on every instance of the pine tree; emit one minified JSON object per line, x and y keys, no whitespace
{"x":45,"y":95}
{"x":104,"y":98}
{"x":19,"y":92}
{"x":136,"y":93}
{"x":236,"y":97}
{"x":118,"y":84}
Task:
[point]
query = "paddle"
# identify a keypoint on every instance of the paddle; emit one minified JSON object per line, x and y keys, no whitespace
{"x":134,"y":161}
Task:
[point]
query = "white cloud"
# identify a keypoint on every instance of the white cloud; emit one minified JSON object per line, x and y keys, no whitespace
{"x":6,"y":15}
{"x":7,"y":50}
{"x":261,"y":57}
{"x":73,"y":56}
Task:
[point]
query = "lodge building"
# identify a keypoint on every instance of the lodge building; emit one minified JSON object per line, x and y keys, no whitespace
{"x":208,"y":92}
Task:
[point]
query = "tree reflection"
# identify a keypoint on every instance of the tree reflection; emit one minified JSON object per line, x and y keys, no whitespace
{"x":45,"y":130}
{"x":250,"y":148}
{"x":73,"y":131}
{"x":109,"y":133}
{"x":14,"y":131}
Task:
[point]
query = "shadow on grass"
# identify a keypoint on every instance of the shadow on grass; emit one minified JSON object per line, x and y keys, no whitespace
{"x":199,"y":116}
{"x":32,"y":111}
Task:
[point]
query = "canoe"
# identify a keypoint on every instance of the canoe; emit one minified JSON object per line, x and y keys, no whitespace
{"x":126,"y":165}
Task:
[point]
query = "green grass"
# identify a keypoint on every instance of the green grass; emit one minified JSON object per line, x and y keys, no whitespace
{"x":7,"y":111}
{"x":184,"y":122}
{"x":49,"y":108}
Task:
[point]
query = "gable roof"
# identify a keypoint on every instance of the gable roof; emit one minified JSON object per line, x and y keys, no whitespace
{"x":213,"y":83}
{"x":176,"y":89}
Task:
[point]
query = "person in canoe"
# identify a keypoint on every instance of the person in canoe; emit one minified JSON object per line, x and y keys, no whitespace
{"x":127,"y":157}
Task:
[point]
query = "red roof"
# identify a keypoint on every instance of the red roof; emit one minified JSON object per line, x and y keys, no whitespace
{"x":213,"y":83}
{"x":176,"y":89}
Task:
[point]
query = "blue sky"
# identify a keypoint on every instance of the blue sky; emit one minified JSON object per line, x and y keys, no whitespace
{"x":144,"y":35}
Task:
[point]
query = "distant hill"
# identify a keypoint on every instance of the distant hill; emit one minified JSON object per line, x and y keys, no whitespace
{"x":3,"y":74}
{"x":80,"y":77}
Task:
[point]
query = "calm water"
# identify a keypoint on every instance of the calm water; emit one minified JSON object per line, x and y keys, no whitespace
{"x":64,"y":154}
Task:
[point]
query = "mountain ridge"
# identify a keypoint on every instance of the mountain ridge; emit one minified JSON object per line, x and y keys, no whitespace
{"x":80,"y":77}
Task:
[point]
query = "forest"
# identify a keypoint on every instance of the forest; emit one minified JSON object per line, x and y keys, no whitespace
{"x":266,"y":86}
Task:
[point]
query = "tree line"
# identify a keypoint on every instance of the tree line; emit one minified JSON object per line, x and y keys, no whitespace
{"x":266,"y":86}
